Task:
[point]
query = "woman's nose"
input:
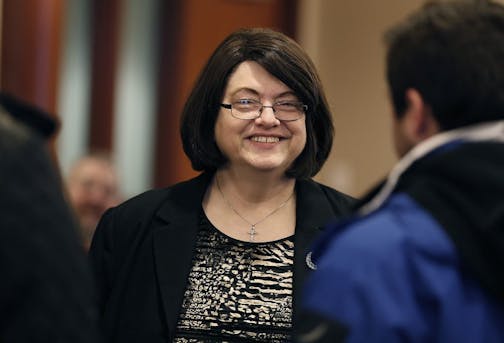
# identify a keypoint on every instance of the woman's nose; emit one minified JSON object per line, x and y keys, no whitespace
{"x":267,"y":117}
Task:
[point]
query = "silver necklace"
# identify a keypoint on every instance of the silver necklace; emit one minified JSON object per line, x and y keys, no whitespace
{"x":252,"y":232}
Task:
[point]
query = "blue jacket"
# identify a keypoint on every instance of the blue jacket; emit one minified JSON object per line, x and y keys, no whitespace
{"x":425,"y":264}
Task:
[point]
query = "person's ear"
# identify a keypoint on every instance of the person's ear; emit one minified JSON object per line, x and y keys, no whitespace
{"x":418,"y":122}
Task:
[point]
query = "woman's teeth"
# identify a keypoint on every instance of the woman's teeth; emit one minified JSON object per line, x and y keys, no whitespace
{"x":263,"y":139}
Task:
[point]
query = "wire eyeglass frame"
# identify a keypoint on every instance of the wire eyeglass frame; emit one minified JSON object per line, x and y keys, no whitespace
{"x":252,"y":109}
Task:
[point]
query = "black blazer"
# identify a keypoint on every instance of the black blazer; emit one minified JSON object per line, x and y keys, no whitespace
{"x":142,"y":254}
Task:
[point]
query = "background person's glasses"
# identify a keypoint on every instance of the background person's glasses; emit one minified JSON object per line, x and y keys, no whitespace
{"x":248,"y":109}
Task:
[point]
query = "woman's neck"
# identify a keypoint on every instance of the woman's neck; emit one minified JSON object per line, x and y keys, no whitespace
{"x":255,"y":187}
{"x":251,"y":208}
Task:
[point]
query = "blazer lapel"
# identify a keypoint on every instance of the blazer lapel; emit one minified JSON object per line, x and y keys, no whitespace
{"x":313,"y":212}
{"x":176,"y":227}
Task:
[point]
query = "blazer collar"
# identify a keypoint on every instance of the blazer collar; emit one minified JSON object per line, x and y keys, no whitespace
{"x":175,"y":228}
{"x":313,"y":211}
{"x":184,"y":200}
{"x":312,"y":207}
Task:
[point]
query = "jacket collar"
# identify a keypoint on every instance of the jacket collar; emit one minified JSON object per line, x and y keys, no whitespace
{"x":313,"y":211}
{"x":185,"y":200}
{"x":312,"y":208}
{"x":487,"y":131}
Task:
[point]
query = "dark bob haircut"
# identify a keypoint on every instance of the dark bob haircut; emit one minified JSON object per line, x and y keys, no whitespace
{"x":283,"y":58}
{"x":452,"y":52}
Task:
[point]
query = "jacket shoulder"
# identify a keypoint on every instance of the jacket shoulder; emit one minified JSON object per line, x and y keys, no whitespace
{"x":390,"y":260}
{"x":340,"y":202}
{"x":130,"y":219}
{"x":144,"y":205}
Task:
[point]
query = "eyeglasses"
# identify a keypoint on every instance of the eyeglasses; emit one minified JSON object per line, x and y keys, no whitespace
{"x":248,"y":109}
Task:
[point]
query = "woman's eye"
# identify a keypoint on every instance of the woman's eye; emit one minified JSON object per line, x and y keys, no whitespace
{"x":288,"y":101}
{"x":245,"y":101}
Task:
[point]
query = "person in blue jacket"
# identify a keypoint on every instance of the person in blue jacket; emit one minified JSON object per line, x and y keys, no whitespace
{"x":422,"y":257}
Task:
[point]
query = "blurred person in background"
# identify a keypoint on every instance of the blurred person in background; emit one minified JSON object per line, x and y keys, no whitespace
{"x":222,"y":257}
{"x":93,"y":187}
{"x":46,"y":288}
{"x":422,"y":260}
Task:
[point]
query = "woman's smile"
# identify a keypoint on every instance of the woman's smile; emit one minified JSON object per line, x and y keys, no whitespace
{"x":265,"y":139}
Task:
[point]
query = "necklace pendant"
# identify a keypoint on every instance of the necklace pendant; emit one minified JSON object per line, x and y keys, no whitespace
{"x":252,"y":233}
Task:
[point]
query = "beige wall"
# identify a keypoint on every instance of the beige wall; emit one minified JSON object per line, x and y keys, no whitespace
{"x":345,"y":40}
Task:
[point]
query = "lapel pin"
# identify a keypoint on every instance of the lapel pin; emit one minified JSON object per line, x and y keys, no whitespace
{"x":309,"y":261}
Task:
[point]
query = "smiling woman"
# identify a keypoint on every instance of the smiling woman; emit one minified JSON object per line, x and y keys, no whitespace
{"x":254,"y":138}
{"x":222,"y":257}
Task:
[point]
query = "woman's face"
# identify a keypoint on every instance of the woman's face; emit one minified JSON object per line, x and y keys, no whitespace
{"x":264,"y":143}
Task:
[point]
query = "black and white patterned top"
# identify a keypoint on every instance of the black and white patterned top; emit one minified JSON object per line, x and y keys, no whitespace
{"x":237,"y":291}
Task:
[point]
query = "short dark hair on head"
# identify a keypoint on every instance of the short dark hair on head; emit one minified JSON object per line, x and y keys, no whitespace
{"x":283,"y":58}
{"x":452,"y":52}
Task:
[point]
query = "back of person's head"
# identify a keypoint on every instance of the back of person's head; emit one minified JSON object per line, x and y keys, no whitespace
{"x":283,"y":58}
{"x":29,"y":115}
{"x":452,"y":52}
